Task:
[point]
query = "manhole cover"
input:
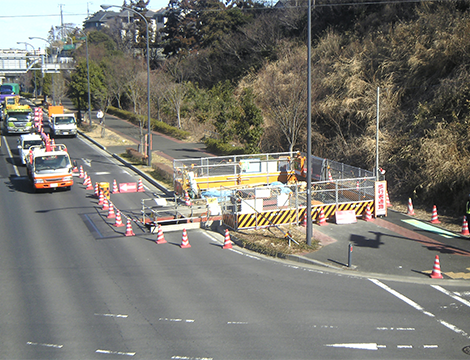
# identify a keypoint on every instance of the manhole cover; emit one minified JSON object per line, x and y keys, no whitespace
{"x":466,"y":350}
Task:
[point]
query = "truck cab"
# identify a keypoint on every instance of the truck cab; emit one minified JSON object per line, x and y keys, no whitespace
{"x":25,"y":142}
{"x":49,"y":168}
{"x":60,"y":122}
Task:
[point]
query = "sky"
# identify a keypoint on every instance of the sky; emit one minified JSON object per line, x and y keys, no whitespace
{"x":22,"y":19}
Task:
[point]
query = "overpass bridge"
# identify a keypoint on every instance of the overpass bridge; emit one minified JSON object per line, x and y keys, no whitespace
{"x":15,"y":62}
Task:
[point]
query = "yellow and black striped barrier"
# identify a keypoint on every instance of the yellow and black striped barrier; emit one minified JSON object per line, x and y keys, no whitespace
{"x":291,"y":216}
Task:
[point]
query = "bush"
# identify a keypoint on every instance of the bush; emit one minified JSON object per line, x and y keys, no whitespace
{"x":218,"y":147}
{"x":136,"y":156}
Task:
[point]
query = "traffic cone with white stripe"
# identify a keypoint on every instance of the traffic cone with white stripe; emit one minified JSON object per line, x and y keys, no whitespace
{"x":118,"y":222}
{"x":187,"y":200}
{"x":81,"y":174}
{"x":329,"y":176}
{"x":184,"y":241}
{"x":465,"y":227}
{"x":304,"y":220}
{"x":140,"y":186}
{"x":389,"y":204}
{"x":111,"y":213}
{"x":436,"y":270}
{"x":434,"y":219}
{"x":105,"y":204}
{"x":101,"y":198}
{"x":160,"y":236}
{"x":129,"y":231}
{"x":410,"y":208}
{"x":321,"y":218}
{"x":227,"y":241}
{"x":85,"y":179}
{"x":115,"y":187}
{"x":367,"y":214}
{"x":89,"y":185}
{"x":97,"y":190}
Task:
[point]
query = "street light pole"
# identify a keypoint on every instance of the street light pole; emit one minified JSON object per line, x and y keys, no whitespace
{"x":149,"y":140}
{"x":50,"y":44}
{"x":34,"y":52}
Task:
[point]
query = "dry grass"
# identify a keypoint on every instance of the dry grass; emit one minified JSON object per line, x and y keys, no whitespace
{"x":110,"y":138}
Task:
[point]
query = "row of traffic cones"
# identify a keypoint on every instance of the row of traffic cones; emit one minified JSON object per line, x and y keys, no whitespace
{"x":367,"y":216}
{"x":185,"y":241}
{"x":321,"y":219}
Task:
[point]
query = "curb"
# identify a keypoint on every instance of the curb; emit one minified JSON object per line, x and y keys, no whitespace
{"x":130,"y":166}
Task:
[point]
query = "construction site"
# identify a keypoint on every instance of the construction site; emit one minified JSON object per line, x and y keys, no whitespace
{"x":263,"y":190}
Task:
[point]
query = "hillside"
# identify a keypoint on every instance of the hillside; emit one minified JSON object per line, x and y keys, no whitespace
{"x":237,"y":75}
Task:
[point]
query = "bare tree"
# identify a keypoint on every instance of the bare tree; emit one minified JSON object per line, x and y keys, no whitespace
{"x":282,"y":88}
{"x":136,"y":88}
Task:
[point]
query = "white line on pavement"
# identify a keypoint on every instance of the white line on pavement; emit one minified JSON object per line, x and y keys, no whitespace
{"x":452,"y":295}
{"x":419,"y":307}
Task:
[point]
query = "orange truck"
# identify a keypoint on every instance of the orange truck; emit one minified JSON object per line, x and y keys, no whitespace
{"x":49,"y":168}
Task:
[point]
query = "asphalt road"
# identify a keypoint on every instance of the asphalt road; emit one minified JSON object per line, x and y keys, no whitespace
{"x":74,"y":287}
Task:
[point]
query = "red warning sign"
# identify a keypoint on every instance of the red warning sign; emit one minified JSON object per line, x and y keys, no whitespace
{"x":127,"y":187}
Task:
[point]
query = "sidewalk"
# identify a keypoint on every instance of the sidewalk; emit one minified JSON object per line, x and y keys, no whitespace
{"x":384,"y":246}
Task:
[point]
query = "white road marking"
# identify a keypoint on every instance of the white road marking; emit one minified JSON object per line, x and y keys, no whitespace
{"x":430,"y":346}
{"x":113,"y":315}
{"x":56,"y":346}
{"x":110,"y":352}
{"x":452,"y":295}
{"x":15,"y":168}
{"x":359,"y":346}
{"x":237,"y":322}
{"x":404,"y":346}
{"x":397,"y":329}
{"x":190,"y":358}
{"x":87,"y":162}
{"x":176,"y":320}
{"x":102,"y":173}
{"x":419,"y":307}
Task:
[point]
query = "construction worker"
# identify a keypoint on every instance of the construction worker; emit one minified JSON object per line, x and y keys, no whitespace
{"x":467,"y":208}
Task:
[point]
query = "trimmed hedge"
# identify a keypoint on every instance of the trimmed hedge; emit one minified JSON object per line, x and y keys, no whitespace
{"x":136,"y":156}
{"x":218,"y":147}
{"x":159,"y":126}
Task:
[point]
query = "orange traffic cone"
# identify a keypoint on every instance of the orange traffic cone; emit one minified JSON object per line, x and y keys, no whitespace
{"x":465,"y":227}
{"x":184,"y":240}
{"x":367,"y":215}
{"x":115,"y":187}
{"x":129,"y":231}
{"x":304,"y":220}
{"x":89,"y":185}
{"x":105,"y":204}
{"x":140,"y":186}
{"x":81,"y":174}
{"x":111,"y":213}
{"x":97,"y":190}
{"x":101,"y":198}
{"x":436,"y":270}
{"x":410,"y":208}
{"x":389,"y":204}
{"x":434,"y":219}
{"x":227,"y":242}
{"x":160,"y":237}
{"x":329,"y":176}
{"x":187,"y":200}
{"x":321,"y":218}
{"x":118,"y":222}
{"x":85,"y":179}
